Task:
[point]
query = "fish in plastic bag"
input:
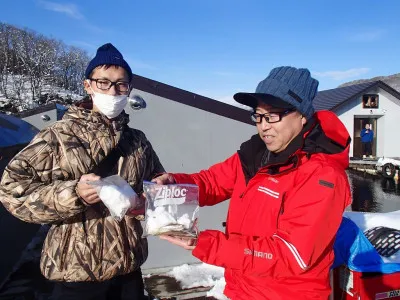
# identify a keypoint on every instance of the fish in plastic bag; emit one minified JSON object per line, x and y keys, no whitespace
{"x":171,"y":209}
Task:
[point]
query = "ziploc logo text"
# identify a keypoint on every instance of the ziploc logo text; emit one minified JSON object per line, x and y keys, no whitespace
{"x":170,"y":195}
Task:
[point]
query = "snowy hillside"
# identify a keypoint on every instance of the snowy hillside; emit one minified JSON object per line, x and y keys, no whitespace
{"x":35,"y":70}
{"x":15,"y":102}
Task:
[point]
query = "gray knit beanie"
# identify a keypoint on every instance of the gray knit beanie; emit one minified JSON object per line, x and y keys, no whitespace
{"x":285,"y":87}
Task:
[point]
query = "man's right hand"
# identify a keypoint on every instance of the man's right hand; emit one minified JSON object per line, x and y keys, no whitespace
{"x":86,"y":191}
{"x":165,"y":178}
{"x":187,"y":243}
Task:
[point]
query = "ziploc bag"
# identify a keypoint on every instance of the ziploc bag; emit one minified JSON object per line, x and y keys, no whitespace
{"x":171,"y":209}
{"x":116,"y":194}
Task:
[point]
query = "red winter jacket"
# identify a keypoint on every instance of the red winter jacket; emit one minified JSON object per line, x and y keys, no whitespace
{"x":283,"y":216}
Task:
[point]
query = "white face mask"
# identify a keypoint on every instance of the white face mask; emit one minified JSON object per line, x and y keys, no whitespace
{"x":109,"y":105}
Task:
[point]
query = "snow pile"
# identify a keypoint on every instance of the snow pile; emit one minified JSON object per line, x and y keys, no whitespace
{"x":21,"y":96}
{"x":218,"y":290}
{"x":190,"y":276}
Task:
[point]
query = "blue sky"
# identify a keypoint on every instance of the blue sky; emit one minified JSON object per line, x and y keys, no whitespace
{"x":218,"y":47}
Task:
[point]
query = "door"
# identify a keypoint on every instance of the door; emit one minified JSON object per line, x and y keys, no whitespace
{"x":359,"y":124}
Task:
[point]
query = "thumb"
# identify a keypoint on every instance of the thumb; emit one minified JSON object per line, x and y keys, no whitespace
{"x":165,"y":178}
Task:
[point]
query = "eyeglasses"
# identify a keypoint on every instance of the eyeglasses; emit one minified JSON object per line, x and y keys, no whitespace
{"x":105,"y":85}
{"x":272,"y":117}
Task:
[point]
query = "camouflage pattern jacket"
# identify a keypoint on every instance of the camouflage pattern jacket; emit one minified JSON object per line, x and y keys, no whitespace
{"x":84,"y":243}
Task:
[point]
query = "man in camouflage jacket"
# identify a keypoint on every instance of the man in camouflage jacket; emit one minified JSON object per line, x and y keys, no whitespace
{"x":40,"y":185}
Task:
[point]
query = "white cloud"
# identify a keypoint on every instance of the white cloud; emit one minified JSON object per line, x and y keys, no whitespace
{"x":367,"y":36}
{"x":71,"y":10}
{"x":341,"y":75}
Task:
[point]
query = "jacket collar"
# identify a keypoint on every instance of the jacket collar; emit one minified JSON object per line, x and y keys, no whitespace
{"x":82,"y":110}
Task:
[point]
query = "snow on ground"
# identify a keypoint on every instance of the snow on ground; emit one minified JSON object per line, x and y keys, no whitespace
{"x":190,"y":276}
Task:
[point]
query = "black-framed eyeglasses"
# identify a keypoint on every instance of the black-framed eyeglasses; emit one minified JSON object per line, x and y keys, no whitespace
{"x":272,"y":117}
{"x":105,"y":84}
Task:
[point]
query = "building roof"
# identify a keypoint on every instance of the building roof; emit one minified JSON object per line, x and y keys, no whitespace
{"x":325,"y":100}
{"x":330,"y":99}
{"x":191,"y":99}
{"x":41,"y":109}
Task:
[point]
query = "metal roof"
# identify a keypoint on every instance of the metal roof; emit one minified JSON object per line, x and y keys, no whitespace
{"x":41,"y":109}
{"x":329,"y":99}
{"x":191,"y":99}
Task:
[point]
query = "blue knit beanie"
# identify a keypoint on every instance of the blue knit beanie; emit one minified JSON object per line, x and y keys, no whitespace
{"x":108,"y":55}
{"x":285,"y":87}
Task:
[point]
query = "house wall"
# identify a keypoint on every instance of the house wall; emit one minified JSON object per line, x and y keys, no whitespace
{"x":387,"y":116}
{"x":38,"y":122}
{"x":187,"y":139}
{"x":389,"y":131}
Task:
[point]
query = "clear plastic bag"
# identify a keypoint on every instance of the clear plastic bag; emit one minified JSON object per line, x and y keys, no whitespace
{"x":171,"y":209}
{"x":116,"y":194}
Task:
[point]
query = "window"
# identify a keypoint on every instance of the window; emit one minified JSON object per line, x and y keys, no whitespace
{"x":370,"y":101}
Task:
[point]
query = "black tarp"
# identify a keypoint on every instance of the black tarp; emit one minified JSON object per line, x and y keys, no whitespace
{"x":15,"y":234}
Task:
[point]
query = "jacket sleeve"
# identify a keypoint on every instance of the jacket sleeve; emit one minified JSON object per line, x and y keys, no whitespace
{"x":362,"y":133}
{"x":306,"y":232}
{"x":33,"y":186}
{"x":215,"y":184}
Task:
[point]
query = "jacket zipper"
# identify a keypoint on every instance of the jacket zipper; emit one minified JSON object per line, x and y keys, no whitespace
{"x":281,"y":210}
{"x":241,"y":197}
{"x":112,"y":134}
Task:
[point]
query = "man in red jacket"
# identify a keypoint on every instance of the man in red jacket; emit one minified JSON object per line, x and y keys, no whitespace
{"x":288,"y":190}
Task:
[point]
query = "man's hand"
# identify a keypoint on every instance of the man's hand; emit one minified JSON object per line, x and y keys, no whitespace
{"x":87,"y":191}
{"x":164,"y":179}
{"x":187,"y":243}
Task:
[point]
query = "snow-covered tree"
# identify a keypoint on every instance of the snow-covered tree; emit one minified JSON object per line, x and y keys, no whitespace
{"x":34,"y":68}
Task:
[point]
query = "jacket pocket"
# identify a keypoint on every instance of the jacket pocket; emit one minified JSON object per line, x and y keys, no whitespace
{"x":264,"y":204}
{"x":65,"y":246}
